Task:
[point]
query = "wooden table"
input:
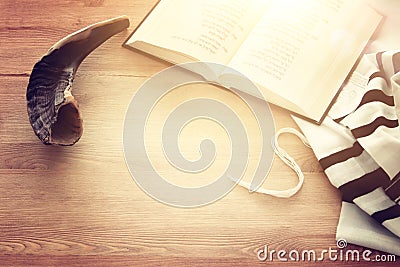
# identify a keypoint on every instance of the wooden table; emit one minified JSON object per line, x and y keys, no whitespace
{"x":80,"y":206}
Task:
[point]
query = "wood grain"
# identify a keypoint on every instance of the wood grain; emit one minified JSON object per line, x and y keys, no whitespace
{"x":79,"y":206}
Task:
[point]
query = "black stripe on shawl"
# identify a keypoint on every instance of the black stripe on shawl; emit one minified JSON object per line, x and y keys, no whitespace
{"x":364,"y":184}
{"x":368,"y":129}
{"x":341,"y":156}
{"x":393,"y":190}
{"x":387,"y":214}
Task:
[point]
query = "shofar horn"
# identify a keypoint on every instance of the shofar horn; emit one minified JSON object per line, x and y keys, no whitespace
{"x":53,"y":111}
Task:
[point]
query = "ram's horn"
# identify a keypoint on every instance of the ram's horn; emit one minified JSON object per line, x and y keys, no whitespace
{"x":53,"y":111}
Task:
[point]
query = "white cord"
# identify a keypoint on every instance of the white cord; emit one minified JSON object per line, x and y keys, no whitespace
{"x":288,"y":160}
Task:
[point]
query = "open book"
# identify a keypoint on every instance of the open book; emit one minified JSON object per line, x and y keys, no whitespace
{"x":298,"y":52}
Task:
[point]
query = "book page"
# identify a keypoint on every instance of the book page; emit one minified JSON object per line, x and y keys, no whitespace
{"x":207,"y":30}
{"x":297,"y":42}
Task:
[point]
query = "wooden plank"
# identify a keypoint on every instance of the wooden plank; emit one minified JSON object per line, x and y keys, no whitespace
{"x":31,"y":31}
{"x":66,"y":214}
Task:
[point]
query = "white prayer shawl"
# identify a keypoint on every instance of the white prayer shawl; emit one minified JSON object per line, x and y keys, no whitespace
{"x":358,"y":146}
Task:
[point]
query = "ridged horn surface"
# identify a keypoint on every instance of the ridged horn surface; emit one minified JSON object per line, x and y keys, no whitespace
{"x":53,"y":111}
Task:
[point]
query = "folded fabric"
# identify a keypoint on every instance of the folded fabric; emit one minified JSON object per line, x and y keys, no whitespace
{"x":358,"y":146}
{"x":357,"y":227}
